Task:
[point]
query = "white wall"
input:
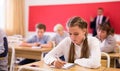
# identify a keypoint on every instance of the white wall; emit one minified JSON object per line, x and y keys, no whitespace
{"x":54,"y":2}
{"x":2,"y":13}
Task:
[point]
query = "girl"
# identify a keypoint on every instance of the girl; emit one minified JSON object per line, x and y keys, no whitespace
{"x":78,"y":48}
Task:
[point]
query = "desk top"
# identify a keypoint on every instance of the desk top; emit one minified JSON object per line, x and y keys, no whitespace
{"x":29,"y":52}
{"x":112,"y":69}
{"x":41,"y":64}
{"x":114,"y":55}
{"x":22,"y":48}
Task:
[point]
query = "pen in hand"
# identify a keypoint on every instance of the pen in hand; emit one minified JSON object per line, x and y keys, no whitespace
{"x":58,"y":63}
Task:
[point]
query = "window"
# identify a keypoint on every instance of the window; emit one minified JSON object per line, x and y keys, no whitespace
{"x":2,"y":14}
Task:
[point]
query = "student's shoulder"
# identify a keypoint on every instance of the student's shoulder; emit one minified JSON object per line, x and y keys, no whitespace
{"x":56,"y":35}
{"x":46,"y":36}
{"x":93,"y":42}
{"x":92,"y":39}
{"x":32,"y":37}
{"x":110,"y":37}
{"x":67,"y":39}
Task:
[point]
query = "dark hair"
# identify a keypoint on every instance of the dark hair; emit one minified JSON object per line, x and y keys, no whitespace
{"x":112,"y":30}
{"x":77,"y":21}
{"x":41,"y":26}
{"x":100,"y":8}
{"x":105,"y":27}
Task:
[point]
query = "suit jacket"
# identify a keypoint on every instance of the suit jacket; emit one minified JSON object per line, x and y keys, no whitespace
{"x":93,"y":25}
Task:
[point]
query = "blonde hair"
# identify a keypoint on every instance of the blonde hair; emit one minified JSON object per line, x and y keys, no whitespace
{"x":58,"y":27}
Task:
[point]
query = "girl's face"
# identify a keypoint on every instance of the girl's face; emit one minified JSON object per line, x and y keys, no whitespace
{"x":77,"y":34}
{"x":101,"y":34}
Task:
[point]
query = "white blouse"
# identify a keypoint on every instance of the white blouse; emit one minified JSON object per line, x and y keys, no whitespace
{"x":63,"y":49}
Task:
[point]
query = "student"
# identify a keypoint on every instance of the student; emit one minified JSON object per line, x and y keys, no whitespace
{"x":39,"y":40}
{"x":107,"y":40}
{"x":3,"y":52}
{"x":78,"y":48}
{"x":99,"y":19}
{"x":60,"y":34}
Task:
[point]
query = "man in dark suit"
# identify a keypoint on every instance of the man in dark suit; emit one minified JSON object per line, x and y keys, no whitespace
{"x":99,"y":19}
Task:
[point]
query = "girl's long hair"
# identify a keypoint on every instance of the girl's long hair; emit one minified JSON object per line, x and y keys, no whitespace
{"x":77,"y":21}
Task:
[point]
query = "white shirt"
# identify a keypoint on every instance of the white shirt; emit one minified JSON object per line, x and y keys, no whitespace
{"x":58,"y":38}
{"x":99,"y":19}
{"x":63,"y":49}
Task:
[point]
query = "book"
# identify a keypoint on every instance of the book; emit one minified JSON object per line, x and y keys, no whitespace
{"x":68,"y":65}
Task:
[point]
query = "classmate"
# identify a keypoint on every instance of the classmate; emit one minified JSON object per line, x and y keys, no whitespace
{"x":99,"y":19}
{"x":78,"y":48}
{"x":107,"y":40}
{"x":3,"y":54}
{"x":39,"y":40}
{"x":60,"y":34}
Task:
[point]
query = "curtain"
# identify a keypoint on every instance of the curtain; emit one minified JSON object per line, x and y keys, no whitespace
{"x":15,"y":23}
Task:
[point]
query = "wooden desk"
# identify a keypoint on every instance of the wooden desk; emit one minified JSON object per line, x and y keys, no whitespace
{"x":114,"y":55}
{"x":28,"y":52}
{"x":41,"y":64}
{"x":112,"y":69}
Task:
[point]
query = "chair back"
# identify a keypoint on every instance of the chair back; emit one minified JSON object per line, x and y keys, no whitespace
{"x":12,"y":58}
{"x":103,"y":62}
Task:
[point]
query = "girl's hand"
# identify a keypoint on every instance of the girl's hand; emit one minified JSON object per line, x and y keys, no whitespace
{"x":59,"y":63}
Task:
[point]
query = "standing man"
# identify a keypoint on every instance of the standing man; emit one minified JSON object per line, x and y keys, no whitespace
{"x":99,"y":19}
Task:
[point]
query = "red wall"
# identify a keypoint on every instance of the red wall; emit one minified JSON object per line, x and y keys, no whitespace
{"x":53,"y":14}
